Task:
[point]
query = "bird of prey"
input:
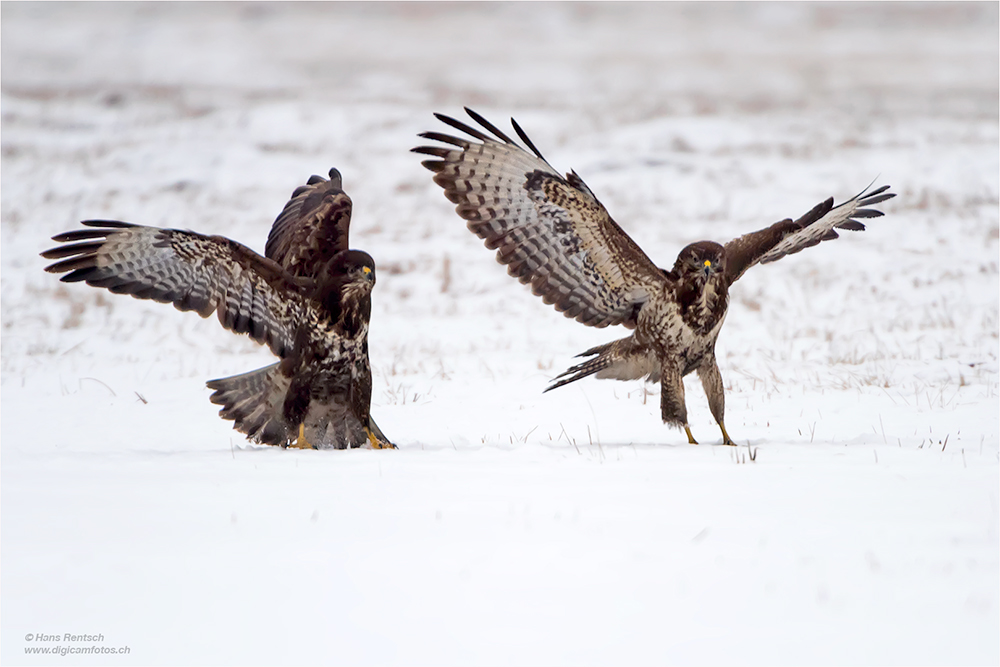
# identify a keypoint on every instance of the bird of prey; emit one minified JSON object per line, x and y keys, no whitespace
{"x":308,"y":299}
{"x":552,"y":233}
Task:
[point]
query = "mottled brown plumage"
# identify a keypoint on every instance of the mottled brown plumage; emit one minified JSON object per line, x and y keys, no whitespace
{"x":308,"y":300}
{"x":552,"y":233}
{"x":313,"y":226}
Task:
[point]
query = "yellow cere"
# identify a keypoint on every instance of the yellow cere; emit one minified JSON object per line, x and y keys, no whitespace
{"x":708,"y":262}
{"x":366,"y":270}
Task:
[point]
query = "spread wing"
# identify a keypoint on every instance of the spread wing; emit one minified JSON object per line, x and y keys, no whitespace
{"x":252,"y":294}
{"x":549,"y":230}
{"x":789,"y":237}
{"x":312,"y":228}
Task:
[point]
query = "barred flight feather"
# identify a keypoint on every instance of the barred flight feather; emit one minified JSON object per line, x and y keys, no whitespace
{"x":194,"y":272}
{"x":549,"y":230}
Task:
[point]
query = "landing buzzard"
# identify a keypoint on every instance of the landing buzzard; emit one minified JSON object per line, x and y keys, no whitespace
{"x":308,"y":299}
{"x":553,"y":233}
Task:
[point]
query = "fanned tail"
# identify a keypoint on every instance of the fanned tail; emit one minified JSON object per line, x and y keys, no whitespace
{"x":622,"y":359}
{"x":253,"y":401}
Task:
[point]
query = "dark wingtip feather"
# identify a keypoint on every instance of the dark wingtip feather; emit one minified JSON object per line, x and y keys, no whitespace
{"x":85,"y":250}
{"x":114,"y":224}
{"x":444,"y":138}
{"x":82,"y":235}
{"x":525,"y":139}
{"x":461,"y":127}
{"x":876,"y":199}
{"x":433,"y":165}
{"x":488,"y":125}
{"x":436,"y":151}
{"x":78,"y":275}
{"x":53,"y":253}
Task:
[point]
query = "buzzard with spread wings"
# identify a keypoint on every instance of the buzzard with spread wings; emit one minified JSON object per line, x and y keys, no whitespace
{"x":308,"y":299}
{"x":552,"y":233}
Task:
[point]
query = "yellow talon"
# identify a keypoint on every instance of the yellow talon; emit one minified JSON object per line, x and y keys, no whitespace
{"x":691,"y":440}
{"x":726,"y":440}
{"x":301,"y":442}
{"x":376,"y":443}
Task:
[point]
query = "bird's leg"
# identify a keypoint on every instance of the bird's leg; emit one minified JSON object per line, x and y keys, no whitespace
{"x":301,"y":442}
{"x":711,"y":381}
{"x":672,"y":407}
{"x":296,"y":403}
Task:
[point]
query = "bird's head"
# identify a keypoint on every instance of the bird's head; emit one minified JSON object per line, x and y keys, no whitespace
{"x":348,"y":273}
{"x":701,"y":261}
{"x":356,"y":267}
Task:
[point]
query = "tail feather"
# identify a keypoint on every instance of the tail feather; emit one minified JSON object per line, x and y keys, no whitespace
{"x":253,"y":401}
{"x":623,"y":359}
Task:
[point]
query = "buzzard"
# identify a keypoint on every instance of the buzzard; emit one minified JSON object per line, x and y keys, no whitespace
{"x":552,"y":233}
{"x":308,"y":299}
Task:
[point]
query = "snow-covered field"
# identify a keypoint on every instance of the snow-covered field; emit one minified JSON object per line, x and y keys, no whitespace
{"x":856,"y":523}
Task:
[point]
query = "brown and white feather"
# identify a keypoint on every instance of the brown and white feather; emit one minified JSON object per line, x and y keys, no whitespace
{"x":312,"y":228}
{"x":206,"y":274}
{"x":789,"y":237}
{"x":549,"y":230}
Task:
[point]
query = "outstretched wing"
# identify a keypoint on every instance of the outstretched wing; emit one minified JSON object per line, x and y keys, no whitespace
{"x":252,"y":294}
{"x":312,"y":228}
{"x":789,"y":237}
{"x":549,"y":230}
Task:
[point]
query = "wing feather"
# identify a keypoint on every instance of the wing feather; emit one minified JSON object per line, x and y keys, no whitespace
{"x":206,"y":274}
{"x":789,"y":237}
{"x":312,"y":228}
{"x":549,"y":230}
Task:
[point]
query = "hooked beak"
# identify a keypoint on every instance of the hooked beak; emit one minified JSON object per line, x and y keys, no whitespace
{"x":369,"y":274}
{"x":707,"y":267}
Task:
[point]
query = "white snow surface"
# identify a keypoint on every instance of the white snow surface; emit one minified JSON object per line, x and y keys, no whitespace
{"x":855,"y":523}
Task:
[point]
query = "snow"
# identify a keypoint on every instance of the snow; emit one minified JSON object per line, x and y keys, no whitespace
{"x":857,"y":522}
